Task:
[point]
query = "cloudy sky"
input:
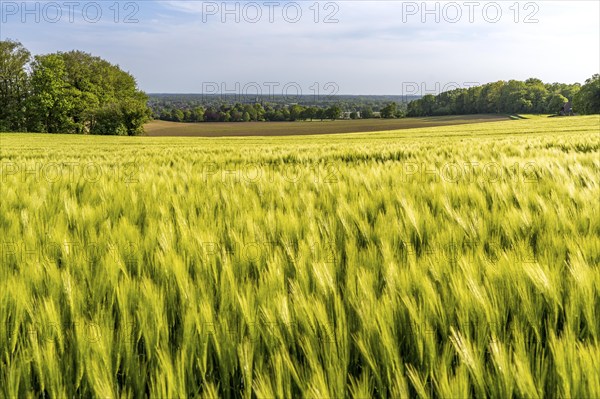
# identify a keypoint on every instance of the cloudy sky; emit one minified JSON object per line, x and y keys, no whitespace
{"x":351,"y":47}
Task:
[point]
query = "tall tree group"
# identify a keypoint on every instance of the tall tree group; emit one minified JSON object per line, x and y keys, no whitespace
{"x":67,"y":92}
{"x":530,"y":96}
{"x":244,"y":112}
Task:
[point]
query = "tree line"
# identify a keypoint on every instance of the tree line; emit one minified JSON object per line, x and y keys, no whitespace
{"x":348,"y":103}
{"x":502,"y":97}
{"x":512,"y":97}
{"x":249,"y":112}
{"x":67,"y":92}
{"x":271,"y":112}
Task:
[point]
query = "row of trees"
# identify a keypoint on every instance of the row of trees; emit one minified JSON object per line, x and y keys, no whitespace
{"x":348,"y":103}
{"x":271,"y":112}
{"x":72,"y":92}
{"x":211,"y":108}
{"x":249,"y":112}
{"x":530,"y":96}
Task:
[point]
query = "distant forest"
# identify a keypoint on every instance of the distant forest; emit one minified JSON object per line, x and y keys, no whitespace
{"x":513,"y":97}
{"x":238,"y":108}
{"x":503,"y":97}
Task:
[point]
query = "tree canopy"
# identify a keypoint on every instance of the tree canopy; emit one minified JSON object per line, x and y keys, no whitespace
{"x":513,"y":96}
{"x":67,"y":92}
{"x":13,"y":85}
{"x":587,"y":100}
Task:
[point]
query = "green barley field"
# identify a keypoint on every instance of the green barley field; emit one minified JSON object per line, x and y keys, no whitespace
{"x":444,"y":262}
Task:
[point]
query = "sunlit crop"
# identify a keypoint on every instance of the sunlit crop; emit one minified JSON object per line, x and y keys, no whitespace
{"x":446,"y":262}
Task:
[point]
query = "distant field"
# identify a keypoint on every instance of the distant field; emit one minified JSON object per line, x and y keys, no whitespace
{"x":224,"y":129}
{"x":443,"y":262}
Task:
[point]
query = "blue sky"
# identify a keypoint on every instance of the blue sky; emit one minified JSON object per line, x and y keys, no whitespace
{"x":367,"y":47}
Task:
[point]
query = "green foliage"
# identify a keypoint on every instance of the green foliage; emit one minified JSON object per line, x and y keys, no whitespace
{"x":51,"y":100}
{"x":177,"y":115}
{"x":366,"y":113}
{"x":587,"y":100}
{"x":13,"y":85}
{"x":513,"y":97}
{"x":71,"y":92}
{"x":247,"y":113}
{"x":182,"y":111}
{"x":334,"y":112}
{"x":557,"y":102}
{"x":108,"y":120}
{"x":310,"y":113}
{"x":269,"y":106}
{"x":355,"y":265}
{"x":390,"y":110}
{"x":295,"y":112}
